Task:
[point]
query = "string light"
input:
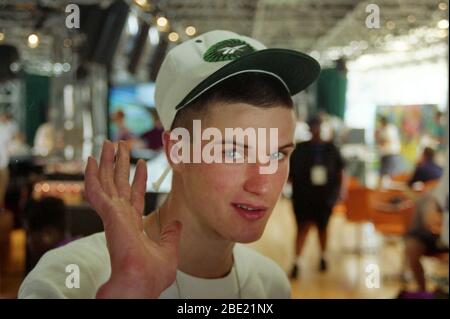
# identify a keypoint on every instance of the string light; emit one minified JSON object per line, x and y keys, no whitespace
{"x":443,"y":24}
{"x":162,"y":22}
{"x":33,"y":40}
{"x":190,"y":31}
{"x":173,"y":36}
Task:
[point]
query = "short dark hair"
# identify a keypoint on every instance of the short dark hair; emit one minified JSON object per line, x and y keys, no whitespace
{"x":428,"y":153}
{"x":384,"y":120}
{"x":258,"y":89}
{"x":316,"y":120}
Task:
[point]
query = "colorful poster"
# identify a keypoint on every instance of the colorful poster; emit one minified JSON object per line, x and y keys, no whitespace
{"x":418,"y":127}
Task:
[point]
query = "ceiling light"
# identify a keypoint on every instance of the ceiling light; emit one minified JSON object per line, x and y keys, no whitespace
{"x":162,"y":21}
{"x":411,"y":18}
{"x":173,"y":36}
{"x":190,"y":31}
{"x":390,"y":25}
{"x":443,"y":24}
{"x":141,"y":3}
{"x":33,"y":40}
{"x":67,"y":43}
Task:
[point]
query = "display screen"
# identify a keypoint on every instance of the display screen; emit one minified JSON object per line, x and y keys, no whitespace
{"x":135,"y":103}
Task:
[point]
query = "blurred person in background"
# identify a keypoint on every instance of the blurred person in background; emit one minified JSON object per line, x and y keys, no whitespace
{"x":301,"y":130}
{"x":316,"y":173}
{"x":18,"y":146}
{"x":438,"y":130}
{"x":153,"y":137}
{"x":122,"y":133}
{"x":8,"y":124}
{"x":44,"y":139}
{"x":424,"y":237}
{"x":388,"y":141}
{"x":429,"y":231}
{"x":426,"y":169}
{"x":6,"y":217}
{"x":8,"y":130}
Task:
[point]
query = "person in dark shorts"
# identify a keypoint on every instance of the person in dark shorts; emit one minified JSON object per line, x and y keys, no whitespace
{"x":316,"y":173}
{"x":424,"y":237}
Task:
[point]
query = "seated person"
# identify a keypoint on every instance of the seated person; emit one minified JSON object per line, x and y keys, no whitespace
{"x":426,"y":169}
{"x":153,"y":137}
{"x":424,"y":237}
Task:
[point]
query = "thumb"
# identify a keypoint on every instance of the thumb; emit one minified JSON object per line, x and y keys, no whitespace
{"x":170,"y":236}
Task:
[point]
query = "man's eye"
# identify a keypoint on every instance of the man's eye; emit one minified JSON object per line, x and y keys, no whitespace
{"x":277,"y":156}
{"x":234,"y":154}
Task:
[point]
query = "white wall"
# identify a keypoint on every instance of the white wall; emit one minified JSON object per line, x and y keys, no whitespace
{"x":414,"y":83}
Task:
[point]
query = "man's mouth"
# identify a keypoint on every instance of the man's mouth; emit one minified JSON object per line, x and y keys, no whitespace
{"x":249,"y":211}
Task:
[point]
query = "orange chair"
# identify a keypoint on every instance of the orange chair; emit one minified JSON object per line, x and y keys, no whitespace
{"x":357,"y":204}
{"x":401,"y":177}
{"x":391,"y":213}
{"x":353,"y":182}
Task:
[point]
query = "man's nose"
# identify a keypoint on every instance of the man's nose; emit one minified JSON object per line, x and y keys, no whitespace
{"x":257,"y":183}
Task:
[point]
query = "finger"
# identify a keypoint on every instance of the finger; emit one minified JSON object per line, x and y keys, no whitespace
{"x":93,"y":190}
{"x":139,"y":187}
{"x":122,"y":171}
{"x":106,"y":169}
{"x":170,"y":237}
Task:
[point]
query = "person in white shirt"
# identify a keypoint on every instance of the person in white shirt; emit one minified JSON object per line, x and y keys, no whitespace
{"x":8,"y":130}
{"x":389,"y":146}
{"x":190,"y":247}
{"x":4,"y":161}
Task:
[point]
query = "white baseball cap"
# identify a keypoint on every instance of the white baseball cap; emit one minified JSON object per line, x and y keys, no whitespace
{"x":193,"y":67}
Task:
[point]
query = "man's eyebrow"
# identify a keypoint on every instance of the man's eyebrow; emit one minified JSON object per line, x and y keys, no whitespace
{"x":234,"y":143}
{"x":246,"y":146}
{"x":286,"y":145}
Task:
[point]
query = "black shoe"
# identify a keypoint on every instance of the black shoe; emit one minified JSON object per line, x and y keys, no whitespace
{"x":323,"y":265}
{"x":294,"y":272}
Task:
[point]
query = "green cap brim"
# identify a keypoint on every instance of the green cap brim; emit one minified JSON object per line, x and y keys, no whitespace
{"x":295,"y":69}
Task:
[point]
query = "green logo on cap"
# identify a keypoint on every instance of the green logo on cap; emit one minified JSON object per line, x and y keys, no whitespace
{"x":227,"y":50}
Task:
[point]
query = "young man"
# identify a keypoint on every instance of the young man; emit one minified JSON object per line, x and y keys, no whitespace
{"x":186,"y":249}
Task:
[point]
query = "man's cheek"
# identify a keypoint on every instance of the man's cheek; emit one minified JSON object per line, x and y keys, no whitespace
{"x":282,"y":174}
{"x":220,"y":180}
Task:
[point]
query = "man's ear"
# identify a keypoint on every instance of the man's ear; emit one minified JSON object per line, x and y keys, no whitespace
{"x":172,"y":149}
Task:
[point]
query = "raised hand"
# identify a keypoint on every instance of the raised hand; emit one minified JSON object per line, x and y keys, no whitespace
{"x":140,"y":267}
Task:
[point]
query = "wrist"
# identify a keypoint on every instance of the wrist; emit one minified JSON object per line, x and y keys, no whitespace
{"x":119,"y":289}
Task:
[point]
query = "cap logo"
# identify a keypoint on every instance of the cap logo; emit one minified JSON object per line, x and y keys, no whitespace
{"x":227,"y":50}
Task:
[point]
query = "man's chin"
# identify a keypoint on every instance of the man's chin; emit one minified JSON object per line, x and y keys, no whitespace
{"x":249,"y":237}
